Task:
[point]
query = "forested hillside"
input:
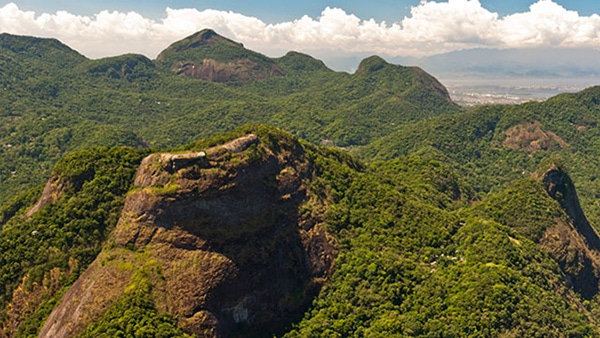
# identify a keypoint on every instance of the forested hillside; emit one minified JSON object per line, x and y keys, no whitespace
{"x":217,"y":192}
{"x":494,"y":145}
{"x":55,"y":101}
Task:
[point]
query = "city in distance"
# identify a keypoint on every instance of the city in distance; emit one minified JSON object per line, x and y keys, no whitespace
{"x":481,"y":76}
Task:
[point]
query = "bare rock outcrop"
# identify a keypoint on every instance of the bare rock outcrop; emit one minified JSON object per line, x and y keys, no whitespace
{"x":575,"y":244}
{"x":216,"y":71}
{"x":224,"y":230}
{"x":530,"y":137}
{"x":52,"y":190}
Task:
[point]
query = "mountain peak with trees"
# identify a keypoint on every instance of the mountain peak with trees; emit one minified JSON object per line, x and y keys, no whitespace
{"x":218,"y":192}
{"x":208,"y":56}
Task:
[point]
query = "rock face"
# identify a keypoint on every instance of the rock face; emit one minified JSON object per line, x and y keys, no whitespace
{"x":574,"y":245}
{"x":530,"y":137}
{"x":561,"y":188}
{"x":215,"y":71}
{"x":52,"y":191}
{"x":233,"y":245}
{"x":208,"y":56}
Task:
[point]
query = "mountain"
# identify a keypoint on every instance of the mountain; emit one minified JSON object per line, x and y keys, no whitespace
{"x":187,"y":234}
{"x":46,"y":245}
{"x":130,"y":67}
{"x":294,"y":62}
{"x":58,"y":101}
{"x":47,"y":54}
{"x":413,"y":267}
{"x":208,"y":56}
{"x":496,"y":144}
{"x":525,"y":62}
{"x":221,"y":240}
{"x":374,"y":64}
{"x":327,"y":246}
{"x":142,"y":201}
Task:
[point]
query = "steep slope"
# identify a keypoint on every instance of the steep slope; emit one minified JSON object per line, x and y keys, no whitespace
{"x":375,"y":63}
{"x":412,"y":264}
{"x":228,"y":238}
{"x":208,"y":56}
{"x":563,"y":232}
{"x":256,"y":233}
{"x":46,"y":246}
{"x":576,"y":244}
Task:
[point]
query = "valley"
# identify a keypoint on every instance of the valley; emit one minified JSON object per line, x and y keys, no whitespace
{"x":472,"y":90}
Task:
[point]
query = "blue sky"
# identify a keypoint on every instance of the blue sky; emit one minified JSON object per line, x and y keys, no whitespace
{"x":275,"y":11}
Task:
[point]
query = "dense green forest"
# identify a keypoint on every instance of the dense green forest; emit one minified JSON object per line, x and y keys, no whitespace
{"x":55,"y":101}
{"x":494,"y":145}
{"x":418,"y":217}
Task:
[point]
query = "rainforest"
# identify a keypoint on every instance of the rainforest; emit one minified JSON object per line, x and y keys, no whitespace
{"x":217,"y":192}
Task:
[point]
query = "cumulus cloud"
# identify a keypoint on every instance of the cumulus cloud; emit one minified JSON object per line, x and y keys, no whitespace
{"x":432,"y":27}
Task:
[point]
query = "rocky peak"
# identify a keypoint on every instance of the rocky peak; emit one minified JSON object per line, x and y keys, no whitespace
{"x":560,"y":187}
{"x":209,"y":56}
{"x":574,"y":244}
{"x":233,"y":253}
{"x":52,"y":191}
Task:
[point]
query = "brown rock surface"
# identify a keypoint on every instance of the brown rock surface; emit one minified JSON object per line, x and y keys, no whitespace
{"x":575,"y":245}
{"x":227,"y":235}
{"x":530,"y":137}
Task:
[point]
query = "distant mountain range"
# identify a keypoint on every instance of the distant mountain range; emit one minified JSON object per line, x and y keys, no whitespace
{"x":533,"y":62}
{"x":538,"y":62}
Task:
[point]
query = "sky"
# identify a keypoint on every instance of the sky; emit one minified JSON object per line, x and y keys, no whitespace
{"x":396,"y":28}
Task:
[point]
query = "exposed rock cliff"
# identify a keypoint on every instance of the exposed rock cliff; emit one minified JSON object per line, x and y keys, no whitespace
{"x":576,"y":244}
{"x":530,"y":137}
{"x":231,"y":235}
{"x":208,"y":56}
{"x":216,"y":71}
{"x":52,"y":190}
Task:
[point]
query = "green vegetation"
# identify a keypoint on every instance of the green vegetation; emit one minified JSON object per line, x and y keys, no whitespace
{"x":50,"y":107}
{"x":441,"y":224}
{"x":488,"y":158}
{"x":521,"y":208}
{"x":66,"y":234}
{"x":135,"y":315}
{"x":414,"y":261}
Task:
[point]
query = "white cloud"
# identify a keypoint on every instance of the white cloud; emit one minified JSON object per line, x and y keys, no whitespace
{"x":549,"y":24}
{"x":433,"y":27}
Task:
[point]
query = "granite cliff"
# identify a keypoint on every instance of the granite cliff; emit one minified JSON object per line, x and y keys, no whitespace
{"x":574,"y":244}
{"x":208,"y":56}
{"x":229,"y":237}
